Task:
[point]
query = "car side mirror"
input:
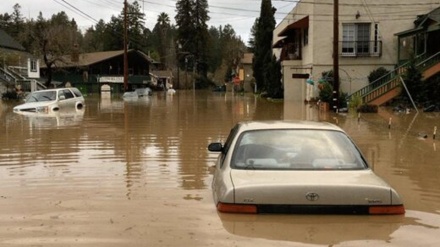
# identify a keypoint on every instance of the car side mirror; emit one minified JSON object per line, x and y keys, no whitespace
{"x":215,"y":147}
{"x":62,"y":97}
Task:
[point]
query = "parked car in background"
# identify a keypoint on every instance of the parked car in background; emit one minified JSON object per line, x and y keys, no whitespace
{"x":297,"y":167}
{"x":138,"y":93}
{"x":52,"y":100}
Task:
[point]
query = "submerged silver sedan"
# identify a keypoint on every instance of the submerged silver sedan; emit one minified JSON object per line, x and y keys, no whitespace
{"x":297,"y":167}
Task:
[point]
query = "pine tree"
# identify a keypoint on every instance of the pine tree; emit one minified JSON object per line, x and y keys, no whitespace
{"x":251,"y":41}
{"x":202,"y":35}
{"x":185,"y":25}
{"x":192,"y":32}
{"x":162,"y":27}
{"x":273,"y":79}
{"x":263,"y":43}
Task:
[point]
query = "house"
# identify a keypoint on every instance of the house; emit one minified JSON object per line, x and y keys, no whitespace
{"x":89,"y":71}
{"x":422,"y":39}
{"x":246,"y":72}
{"x":303,"y":41}
{"x":17,"y":64}
{"x":162,"y":79}
{"x":242,"y":75}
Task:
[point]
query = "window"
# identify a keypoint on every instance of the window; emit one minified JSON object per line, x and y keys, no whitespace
{"x":356,"y":39}
{"x":363,"y":38}
{"x":33,"y":65}
{"x":296,"y":149}
{"x":228,"y":143}
{"x":39,"y":96}
{"x":76,"y":92}
{"x":348,"y":38}
{"x":67,"y":94}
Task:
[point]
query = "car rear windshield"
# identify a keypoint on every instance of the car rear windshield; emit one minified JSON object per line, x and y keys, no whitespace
{"x":298,"y":149}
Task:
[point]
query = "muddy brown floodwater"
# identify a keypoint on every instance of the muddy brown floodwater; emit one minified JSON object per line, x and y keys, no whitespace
{"x":138,"y":173}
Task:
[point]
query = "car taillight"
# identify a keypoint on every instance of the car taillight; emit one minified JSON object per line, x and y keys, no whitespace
{"x":237,"y":208}
{"x":392,"y":209}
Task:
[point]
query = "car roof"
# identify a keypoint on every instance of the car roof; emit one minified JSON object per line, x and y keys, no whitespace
{"x":54,"y":89}
{"x":286,"y":124}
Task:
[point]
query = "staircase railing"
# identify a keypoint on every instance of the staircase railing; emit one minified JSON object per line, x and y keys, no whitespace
{"x":5,"y":75}
{"x":391,"y":80}
{"x":380,"y":86}
{"x":17,"y":72}
{"x":12,"y":75}
{"x":30,"y":85}
{"x":428,"y":62}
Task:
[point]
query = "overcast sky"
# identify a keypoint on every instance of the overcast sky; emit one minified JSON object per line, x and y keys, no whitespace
{"x":240,"y":14}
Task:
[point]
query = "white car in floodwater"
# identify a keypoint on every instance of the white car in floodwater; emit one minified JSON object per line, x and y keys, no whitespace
{"x":138,"y":93}
{"x":297,"y":167}
{"x":52,"y":100}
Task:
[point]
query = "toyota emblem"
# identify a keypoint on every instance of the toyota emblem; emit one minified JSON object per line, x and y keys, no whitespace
{"x":312,"y":196}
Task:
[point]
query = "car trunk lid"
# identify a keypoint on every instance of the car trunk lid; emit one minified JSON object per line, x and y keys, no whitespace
{"x":359,"y":187}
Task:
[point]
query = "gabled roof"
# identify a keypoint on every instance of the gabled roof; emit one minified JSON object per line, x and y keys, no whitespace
{"x":434,"y":15}
{"x":87,"y":59}
{"x":161,"y":73}
{"x":427,"y":23}
{"x":8,"y":42}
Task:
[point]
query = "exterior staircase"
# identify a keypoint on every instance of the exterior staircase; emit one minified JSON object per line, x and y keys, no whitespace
{"x":13,"y":75}
{"x":388,"y":86}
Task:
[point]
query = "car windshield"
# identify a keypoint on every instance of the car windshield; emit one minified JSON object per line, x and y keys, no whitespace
{"x":296,"y":149}
{"x":41,"y":96}
{"x":142,"y":91}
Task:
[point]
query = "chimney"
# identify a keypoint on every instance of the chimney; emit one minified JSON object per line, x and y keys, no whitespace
{"x":74,"y":57}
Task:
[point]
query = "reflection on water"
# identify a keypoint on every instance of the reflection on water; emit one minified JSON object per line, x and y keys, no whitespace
{"x":53,"y":120}
{"x":413,"y":229}
{"x":154,"y":149}
{"x":326,"y":229}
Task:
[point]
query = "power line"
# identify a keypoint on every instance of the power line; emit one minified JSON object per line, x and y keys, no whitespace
{"x":383,"y":4}
{"x":245,"y":13}
{"x":80,"y":11}
{"x":232,"y":11}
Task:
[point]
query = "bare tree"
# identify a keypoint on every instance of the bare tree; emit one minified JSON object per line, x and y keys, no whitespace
{"x":53,"y":39}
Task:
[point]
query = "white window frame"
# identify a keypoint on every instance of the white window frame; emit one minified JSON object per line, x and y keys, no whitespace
{"x":33,"y":64}
{"x":348,"y":39}
{"x":353,"y":34}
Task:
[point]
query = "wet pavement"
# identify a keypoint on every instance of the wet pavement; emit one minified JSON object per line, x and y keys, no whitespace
{"x":137,"y":173}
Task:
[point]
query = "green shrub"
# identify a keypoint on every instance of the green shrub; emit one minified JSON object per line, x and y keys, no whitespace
{"x":326,"y":92}
{"x":377,"y":73}
{"x":365,"y":108}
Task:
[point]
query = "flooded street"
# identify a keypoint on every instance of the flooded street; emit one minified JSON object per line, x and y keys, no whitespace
{"x":138,"y":173}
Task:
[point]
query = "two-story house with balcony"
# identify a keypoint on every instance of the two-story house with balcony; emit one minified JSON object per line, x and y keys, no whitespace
{"x":367,"y":40}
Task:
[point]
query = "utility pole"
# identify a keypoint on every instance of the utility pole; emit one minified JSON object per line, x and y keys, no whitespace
{"x":335,"y":55}
{"x":125,"y":48}
{"x":194,"y":73}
